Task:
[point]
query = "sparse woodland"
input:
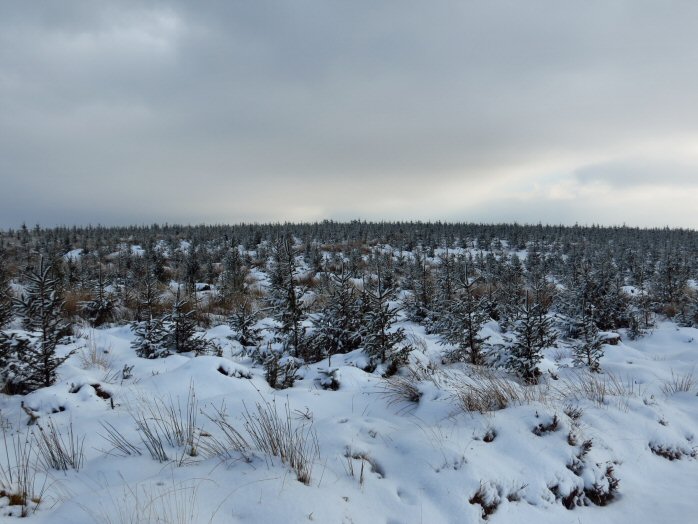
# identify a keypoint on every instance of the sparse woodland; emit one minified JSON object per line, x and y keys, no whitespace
{"x":332,"y":287}
{"x":469,"y":312}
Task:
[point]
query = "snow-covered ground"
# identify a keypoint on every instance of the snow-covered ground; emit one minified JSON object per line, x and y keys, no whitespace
{"x":382,"y":457}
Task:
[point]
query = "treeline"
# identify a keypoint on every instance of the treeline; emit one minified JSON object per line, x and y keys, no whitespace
{"x":335,"y":287}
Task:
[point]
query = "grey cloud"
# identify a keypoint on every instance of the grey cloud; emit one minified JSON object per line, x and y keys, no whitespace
{"x":256,"y":102}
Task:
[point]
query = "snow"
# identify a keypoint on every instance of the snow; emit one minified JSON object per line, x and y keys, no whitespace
{"x":631,"y":290}
{"x":74,"y":254}
{"x":381,"y":458}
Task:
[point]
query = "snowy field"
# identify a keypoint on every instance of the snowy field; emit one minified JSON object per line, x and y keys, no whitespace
{"x":411,"y":449}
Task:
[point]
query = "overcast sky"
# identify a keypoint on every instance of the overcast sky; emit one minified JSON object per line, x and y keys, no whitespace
{"x":226,"y":111}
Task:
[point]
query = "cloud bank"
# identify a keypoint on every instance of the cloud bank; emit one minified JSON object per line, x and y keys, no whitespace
{"x":250,"y":111}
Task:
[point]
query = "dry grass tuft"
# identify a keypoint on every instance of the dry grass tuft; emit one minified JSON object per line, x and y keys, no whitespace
{"x":169,"y":423}
{"x":230,"y":443}
{"x":57,"y":450}
{"x":600,"y":388}
{"x":483,"y":390}
{"x":276,"y":435}
{"x":92,"y":356}
{"x":73,"y":299}
{"x":268,"y":431}
{"x":364,"y":459}
{"x":679,"y":383}
{"x":488,"y":497}
{"x":18,"y":482}
{"x":401,"y":389}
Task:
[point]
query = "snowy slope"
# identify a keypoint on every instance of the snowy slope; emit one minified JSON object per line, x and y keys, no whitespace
{"x":381,"y":458}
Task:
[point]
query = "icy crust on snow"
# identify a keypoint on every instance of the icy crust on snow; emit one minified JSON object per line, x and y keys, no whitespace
{"x":382,"y":458}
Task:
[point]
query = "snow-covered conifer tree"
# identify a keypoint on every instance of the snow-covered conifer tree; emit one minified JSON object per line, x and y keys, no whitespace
{"x":147,"y":293}
{"x":150,"y":339}
{"x":670,"y":278}
{"x":41,"y":309}
{"x":381,"y":342}
{"x":532,"y":333}
{"x":285,"y":299}
{"x":13,"y":370}
{"x":100,"y":308}
{"x":243,"y":321}
{"x":232,"y":279}
{"x":509,"y":291}
{"x":337,"y":327}
{"x":5,"y":293}
{"x":419,"y":282}
{"x":180,"y":327}
{"x":588,"y":348}
{"x":463,"y":320}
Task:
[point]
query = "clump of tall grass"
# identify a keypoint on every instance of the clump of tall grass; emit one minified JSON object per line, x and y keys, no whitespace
{"x":275,"y":434}
{"x":679,"y":383}
{"x":57,"y":450}
{"x":600,"y":388}
{"x":484,"y":390}
{"x":18,"y":473}
{"x":270,"y":431}
{"x":91,"y":355}
{"x":164,"y":423}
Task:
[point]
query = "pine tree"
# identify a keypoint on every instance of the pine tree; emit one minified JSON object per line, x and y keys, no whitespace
{"x":635,"y":328}
{"x":243,"y":322}
{"x":692,"y":310}
{"x":594,"y":286}
{"x":588,"y":348}
{"x":509,"y":291}
{"x":150,"y":339}
{"x":491,"y":274}
{"x":444,"y":293}
{"x":532,"y":333}
{"x":5,"y":293}
{"x":463,"y":321}
{"x":101,"y":308}
{"x":356,"y":262}
{"x":611,"y":304}
{"x":337,"y":328}
{"x":381,"y":342}
{"x":279,"y":369}
{"x":147,"y":294}
{"x":542,"y":295}
{"x":670,"y":278}
{"x":687,"y":305}
{"x":13,"y":370}
{"x":313,"y":256}
{"x":419,"y":281}
{"x":41,"y":309}
{"x":286,"y":300}
{"x":191,"y":268}
{"x":155,"y":263}
{"x":232,"y":279}
{"x":180,"y":328}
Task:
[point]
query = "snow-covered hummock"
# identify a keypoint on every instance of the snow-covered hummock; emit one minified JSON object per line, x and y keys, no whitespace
{"x":381,"y":460}
{"x":73,"y":254}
